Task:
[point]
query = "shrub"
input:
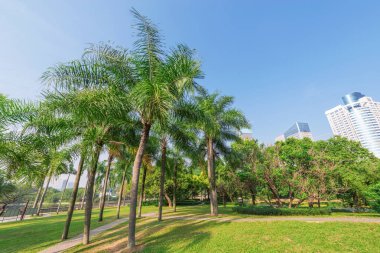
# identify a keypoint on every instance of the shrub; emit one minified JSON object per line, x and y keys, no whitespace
{"x":190,"y":202}
{"x":267,"y":210}
{"x":352,"y":210}
{"x":373,"y":196}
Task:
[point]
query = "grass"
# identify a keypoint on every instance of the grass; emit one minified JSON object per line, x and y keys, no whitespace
{"x":227,"y":212}
{"x":215,"y":235}
{"x":35,"y":234}
{"x":221,"y":236}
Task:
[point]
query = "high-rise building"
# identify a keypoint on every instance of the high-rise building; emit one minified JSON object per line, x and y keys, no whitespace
{"x":299,"y":130}
{"x":246,"y":135}
{"x":63,"y":184}
{"x":357,"y":119}
{"x":280,"y":138}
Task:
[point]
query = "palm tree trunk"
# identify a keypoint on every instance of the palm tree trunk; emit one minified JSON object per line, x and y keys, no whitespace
{"x":125,"y":195}
{"x":44,"y":193}
{"x":73,"y":199}
{"x":121,"y":193}
{"x":142,"y":193}
{"x":174,"y":187}
{"x":105,"y":184}
{"x":162,"y":178}
{"x":135,"y":185}
{"x":211,"y":178}
{"x":83,"y":196}
{"x":89,"y":192}
{"x":38,"y":195}
{"x":63,"y":192}
{"x":94,"y":193}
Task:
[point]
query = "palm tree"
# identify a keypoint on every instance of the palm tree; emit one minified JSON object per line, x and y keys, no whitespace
{"x":177,"y":162}
{"x":64,"y":189}
{"x":105,"y":185}
{"x":142,"y":192}
{"x":73,"y":197}
{"x":161,"y":80}
{"x":99,"y":180}
{"x":123,"y":169}
{"x":178,"y":132}
{"x":220,"y":124}
{"x":147,"y":82}
{"x":86,"y":92}
{"x":38,"y":195}
{"x":116,"y":148}
{"x":49,"y":136}
{"x":147,"y":164}
{"x":18,"y":156}
{"x":59,"y":162}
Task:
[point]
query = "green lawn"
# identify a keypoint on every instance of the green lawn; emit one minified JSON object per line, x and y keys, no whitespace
{"x":38,"y":233}
{"x":198,"y":236}
{"x":220,"y":236}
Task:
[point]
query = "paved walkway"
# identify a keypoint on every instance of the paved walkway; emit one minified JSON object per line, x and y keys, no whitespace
{"x":64,"y":245}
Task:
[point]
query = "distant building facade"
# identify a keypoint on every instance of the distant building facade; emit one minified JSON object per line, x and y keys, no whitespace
{"x":63,"y":184}
{"x":357,"y":119}
{"x":299,"y":130}
{"x":280,"y":138}
{"x":246,"y":136}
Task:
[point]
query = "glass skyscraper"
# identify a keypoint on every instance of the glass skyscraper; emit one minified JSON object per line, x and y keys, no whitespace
{"x":299,"y":130}
{"x":358,"y":119}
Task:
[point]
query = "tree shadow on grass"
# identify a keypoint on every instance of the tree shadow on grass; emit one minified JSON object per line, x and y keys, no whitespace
{"x":116,"y":238}
{"x":154,"y":236}
{"x":191,"y":235}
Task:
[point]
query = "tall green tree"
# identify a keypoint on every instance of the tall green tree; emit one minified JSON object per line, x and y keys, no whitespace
{"x":161,"y":79}
{"x":87,"y":93}
{"x":221,"y":123}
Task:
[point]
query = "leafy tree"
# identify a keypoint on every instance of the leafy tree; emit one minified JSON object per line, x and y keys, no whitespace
{"x":355,"y":169}
{"x":373,"y":196}
{"x":296,"y":164}
{"x":244,"y":158}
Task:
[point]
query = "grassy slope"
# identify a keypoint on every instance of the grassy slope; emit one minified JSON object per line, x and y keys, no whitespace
{"x":214,"y":236}
{"x":35,"y":234}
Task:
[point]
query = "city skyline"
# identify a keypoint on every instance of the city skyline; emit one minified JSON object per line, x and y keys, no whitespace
{"x":327,"y":49}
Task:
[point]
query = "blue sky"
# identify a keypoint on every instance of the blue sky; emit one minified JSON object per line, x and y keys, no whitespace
{"x":283,"y":61}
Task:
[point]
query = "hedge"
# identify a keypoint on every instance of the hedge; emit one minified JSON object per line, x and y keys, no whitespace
{"x":352,"y":210}
{"x":190,"y":202}
{"x":267,"y":210}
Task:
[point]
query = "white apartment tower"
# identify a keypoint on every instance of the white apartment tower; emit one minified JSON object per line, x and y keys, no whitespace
{"x":358,"y":119}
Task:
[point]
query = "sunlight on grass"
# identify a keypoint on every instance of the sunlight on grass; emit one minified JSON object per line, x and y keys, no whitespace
{"x":216,"y":236}
{"x":36,"y":234}
{"x":175,"y":235}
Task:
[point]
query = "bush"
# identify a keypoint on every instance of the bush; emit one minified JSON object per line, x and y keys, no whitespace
{"x":267,"y":210}
{"x":190,"y":202}
{"x":335,"y":204}
{"x":352,"y":210}
{"x":150,"y":203}
{"x":373,"y":196}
